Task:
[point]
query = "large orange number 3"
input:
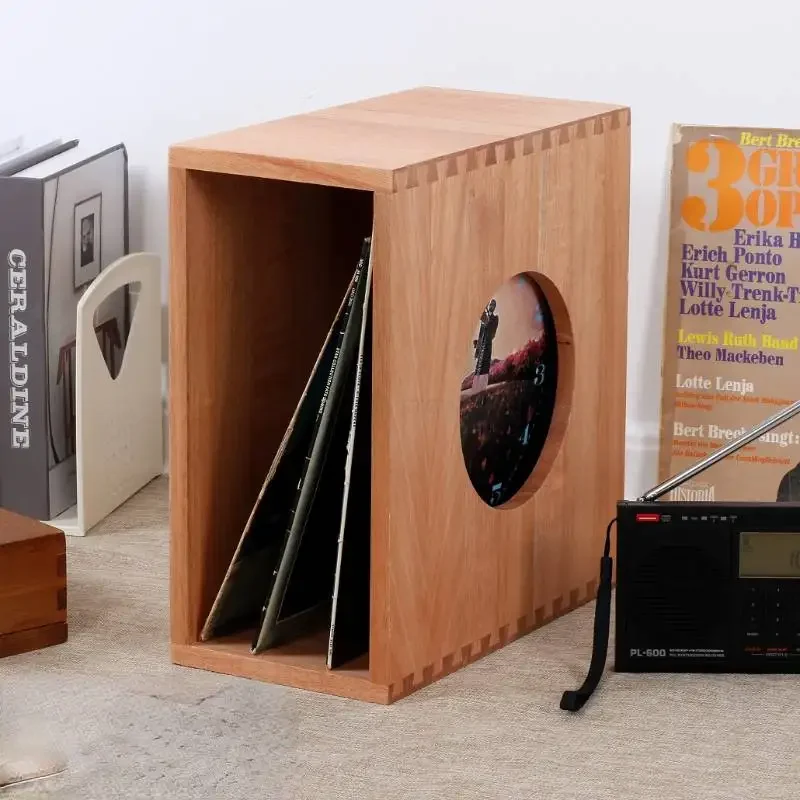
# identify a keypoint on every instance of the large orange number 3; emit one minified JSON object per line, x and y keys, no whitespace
{"x":730,"y":204}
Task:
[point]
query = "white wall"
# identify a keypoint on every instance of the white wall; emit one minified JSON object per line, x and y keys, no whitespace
{"x":152,"y":72}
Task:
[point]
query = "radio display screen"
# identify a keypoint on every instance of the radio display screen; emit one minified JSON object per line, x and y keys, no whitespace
{"x":769,"y":555}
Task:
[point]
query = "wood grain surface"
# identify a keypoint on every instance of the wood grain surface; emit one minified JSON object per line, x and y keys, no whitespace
{"x":18,"y":528}
{"x":13,"y":644}
{"x":469,"y":190}
{"x":368,"y":144}
{"x":258,"y":270}
{"x":450,"y":572}
{"x":300,"y":664}
{"x":33,"y":584}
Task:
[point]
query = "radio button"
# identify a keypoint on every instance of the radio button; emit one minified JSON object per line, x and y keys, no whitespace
{"x":753,"y":628}
{"x":752,"y":617}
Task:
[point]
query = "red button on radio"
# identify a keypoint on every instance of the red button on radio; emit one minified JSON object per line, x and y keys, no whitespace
{"x":648,"y":517}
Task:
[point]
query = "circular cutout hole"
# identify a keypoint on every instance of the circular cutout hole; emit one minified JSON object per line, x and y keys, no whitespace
{"x":516,"y":390}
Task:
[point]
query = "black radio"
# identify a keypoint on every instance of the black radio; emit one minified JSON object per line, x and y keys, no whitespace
{"x":708,"y":587}
{"x":701,"y":587}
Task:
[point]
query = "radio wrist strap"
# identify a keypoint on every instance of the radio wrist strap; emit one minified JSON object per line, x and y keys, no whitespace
{"x":574,"y":700}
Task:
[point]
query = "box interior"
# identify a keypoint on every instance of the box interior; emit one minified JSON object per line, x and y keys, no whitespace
{"x":276,"y":257}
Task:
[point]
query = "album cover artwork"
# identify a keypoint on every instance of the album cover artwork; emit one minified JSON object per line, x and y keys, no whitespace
{"x":300,"y":600}
{"x":240,"y":601}
{"x":508,"y":392}
{"x":309,"y":546}
{"x":87,"y":254}
{"x":348,"y":636}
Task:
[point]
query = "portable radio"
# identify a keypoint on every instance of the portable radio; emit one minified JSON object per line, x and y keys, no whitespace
{"x":708,"y":587}
{"x":700,"y":587}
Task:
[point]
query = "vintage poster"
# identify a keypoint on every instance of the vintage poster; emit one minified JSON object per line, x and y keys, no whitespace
{"x":732,"y":316}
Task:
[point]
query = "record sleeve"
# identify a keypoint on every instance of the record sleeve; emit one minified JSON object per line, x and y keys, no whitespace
{"x":349,"y":627}
{"x":286,"y":614}
{"x":244,"y":589}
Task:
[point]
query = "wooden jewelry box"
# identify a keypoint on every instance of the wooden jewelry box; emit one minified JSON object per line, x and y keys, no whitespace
{"x":33,"y":585}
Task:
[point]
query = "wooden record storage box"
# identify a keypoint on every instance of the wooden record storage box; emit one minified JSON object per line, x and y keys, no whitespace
{"x":465,"y":190}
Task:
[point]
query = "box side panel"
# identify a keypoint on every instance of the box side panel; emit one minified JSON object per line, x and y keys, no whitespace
{"x":23,"y":385}
{"x":464,"y":578}
{"x":401,"y":249}
{"x":617,"y":201}
{"x":584,"y":248}
{"x":181,"y":585}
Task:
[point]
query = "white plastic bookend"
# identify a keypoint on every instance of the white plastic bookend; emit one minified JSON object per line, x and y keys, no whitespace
{"x":119,"y":445}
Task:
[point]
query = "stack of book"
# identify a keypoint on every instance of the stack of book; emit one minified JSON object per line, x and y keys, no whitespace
{"x":16,"y":156}
{"x":64,"y":219}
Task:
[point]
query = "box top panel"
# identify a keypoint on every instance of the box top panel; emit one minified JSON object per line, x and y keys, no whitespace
{"x":18,"y":528}
{"x":363,"y":144}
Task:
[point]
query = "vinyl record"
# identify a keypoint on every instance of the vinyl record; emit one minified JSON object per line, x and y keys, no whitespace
{"x":508,"y":392}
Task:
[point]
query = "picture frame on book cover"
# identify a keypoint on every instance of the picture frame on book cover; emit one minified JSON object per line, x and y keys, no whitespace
{"x":87,"y":256}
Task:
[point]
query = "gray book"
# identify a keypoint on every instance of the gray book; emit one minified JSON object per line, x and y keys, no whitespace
{"x":19,"y":162}
{"x":63,"y":220}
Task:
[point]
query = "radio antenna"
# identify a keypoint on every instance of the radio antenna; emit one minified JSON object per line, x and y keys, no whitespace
{"x":723,"y":452}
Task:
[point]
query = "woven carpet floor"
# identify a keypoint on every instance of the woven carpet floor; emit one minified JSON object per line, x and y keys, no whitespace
{"x":131,"y":725}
